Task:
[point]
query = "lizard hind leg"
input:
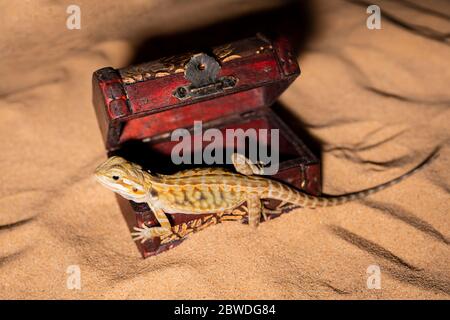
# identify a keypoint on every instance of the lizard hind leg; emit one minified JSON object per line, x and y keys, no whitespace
{"x":282,"y":207}
{"x":254,"y":207}
{"x":245,"y":166}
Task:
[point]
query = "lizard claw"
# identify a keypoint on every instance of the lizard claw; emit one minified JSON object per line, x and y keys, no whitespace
{"x":145,"y":233}
{"x":142,"y":234}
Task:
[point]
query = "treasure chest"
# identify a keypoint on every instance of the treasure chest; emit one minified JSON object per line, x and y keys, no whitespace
{"x":143,"y":109}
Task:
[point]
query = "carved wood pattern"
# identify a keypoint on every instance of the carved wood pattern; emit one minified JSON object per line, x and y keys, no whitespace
{"x":176,"y":64}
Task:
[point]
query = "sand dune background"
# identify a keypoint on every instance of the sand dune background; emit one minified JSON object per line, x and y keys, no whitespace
{"x":377,"y":102}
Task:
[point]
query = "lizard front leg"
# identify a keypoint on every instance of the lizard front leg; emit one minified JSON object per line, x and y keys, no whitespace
{"x":146,"y":233}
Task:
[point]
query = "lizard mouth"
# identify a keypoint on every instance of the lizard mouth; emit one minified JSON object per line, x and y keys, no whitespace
{"x":108,"y":184}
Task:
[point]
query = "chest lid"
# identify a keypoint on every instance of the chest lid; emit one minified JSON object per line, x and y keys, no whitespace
{"x":146,"y":100}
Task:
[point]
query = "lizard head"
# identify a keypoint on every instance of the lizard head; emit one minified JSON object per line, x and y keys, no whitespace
{"x":123,"y":177}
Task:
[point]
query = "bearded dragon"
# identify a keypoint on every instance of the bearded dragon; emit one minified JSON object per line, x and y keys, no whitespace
{"x":207,"y":190}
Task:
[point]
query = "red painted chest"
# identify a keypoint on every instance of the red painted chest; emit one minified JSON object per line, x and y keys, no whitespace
{"x":227,"y":87}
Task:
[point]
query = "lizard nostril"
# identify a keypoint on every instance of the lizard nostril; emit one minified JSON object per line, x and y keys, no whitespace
{"x":135,"y":189}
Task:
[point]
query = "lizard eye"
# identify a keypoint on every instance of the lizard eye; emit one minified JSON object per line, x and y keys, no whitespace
{"x":115,"y":177}
{"x":135,"y":189}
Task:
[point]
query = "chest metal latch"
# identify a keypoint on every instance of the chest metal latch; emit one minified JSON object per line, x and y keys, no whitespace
{"x":202,"y":71}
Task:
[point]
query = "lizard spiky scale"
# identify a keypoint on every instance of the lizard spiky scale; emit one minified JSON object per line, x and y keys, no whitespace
{"x":208,"y":190}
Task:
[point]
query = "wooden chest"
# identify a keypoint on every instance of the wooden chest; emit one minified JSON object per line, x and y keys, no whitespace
{"x":227,"y":87}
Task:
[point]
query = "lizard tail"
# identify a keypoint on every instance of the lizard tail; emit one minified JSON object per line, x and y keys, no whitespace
{"x":304,"y":200}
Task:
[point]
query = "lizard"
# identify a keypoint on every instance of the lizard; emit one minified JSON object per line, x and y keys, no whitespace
{"x":206,"y":190}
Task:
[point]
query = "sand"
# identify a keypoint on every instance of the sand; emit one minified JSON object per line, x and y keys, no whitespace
{"x":376,"y":101}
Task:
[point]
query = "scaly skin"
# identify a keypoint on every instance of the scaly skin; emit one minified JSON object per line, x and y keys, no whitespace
{"x":210,"y":190}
